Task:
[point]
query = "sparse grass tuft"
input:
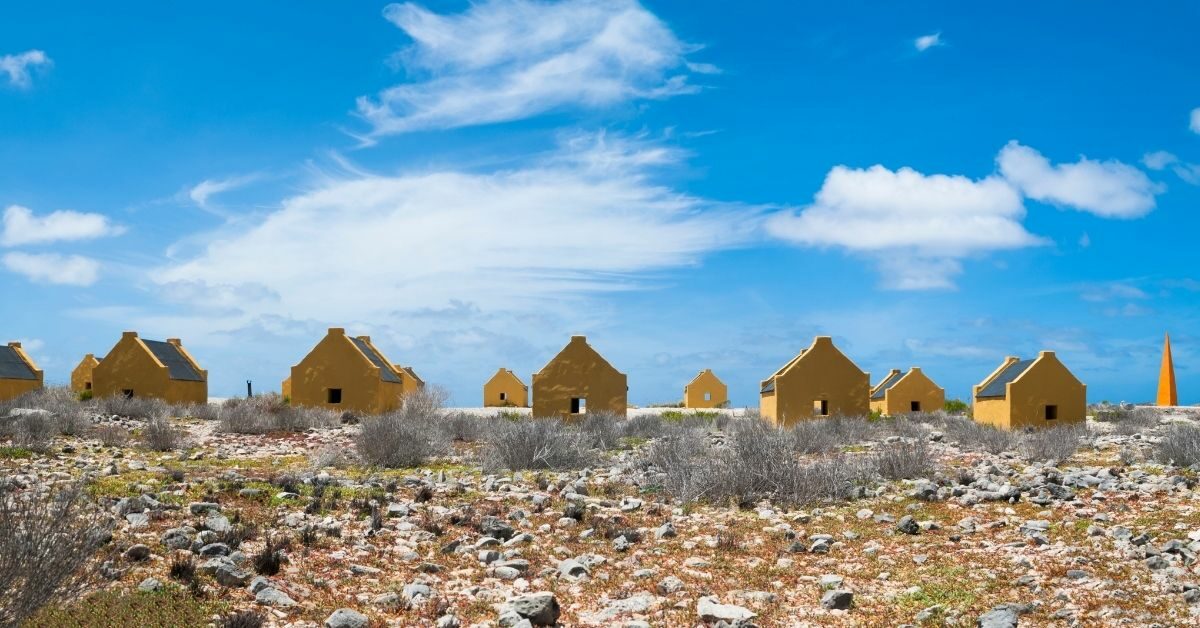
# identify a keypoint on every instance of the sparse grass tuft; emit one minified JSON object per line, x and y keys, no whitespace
{"x":1180,"y":446}
{"x":536,"y":444}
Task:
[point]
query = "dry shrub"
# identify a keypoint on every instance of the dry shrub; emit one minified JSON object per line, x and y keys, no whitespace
{"x":1180,"y":445}
{"x":1057,"y":443}
{"x":643,"y":426}
{"x":404,"y":438}
{"x":536,"y":444}
{"x":46,"y":538}
{"x":905,"y":459}
{"x":264,"y":414}
{"x":603,"y":428}
{"x":133,"y":407}
{"x":111,"y":435}
{"x":462,"y":426}
{"x":33,"y":431}
{"x":980,"y":436}
{"x":160,"y":435}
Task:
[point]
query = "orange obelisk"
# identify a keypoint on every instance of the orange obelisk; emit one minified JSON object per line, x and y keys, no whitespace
{"x":1166,"y":378}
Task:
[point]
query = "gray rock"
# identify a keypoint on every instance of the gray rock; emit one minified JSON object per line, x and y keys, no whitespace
{"x":218,"y":523}
{"x":215,"y":549}
{"x":572,"y":568}
{"x":448,"y":621}
{"x":346,"y":618}
{"x":639,"y":603}
{"x":149,"y":585}
{"x":495,"y":527}
{"x":364,"y":570}
{"x":665,"y":531}
{"x":669,"y":585}
{"x":837,"y":599}
{"x":710,"y":610}
{"x":199,"y":508}
{"x":137,"y":553}
{"x":829,"y":582}
{"x":390,"y":601}
{"x":541,"y":609}
{"x":178,"y":538}
{"x":137,"y":519}
{"x":270,"y":596}
{"x":998,"y":617}
{"x":416,"y":590}
{"x":908,"y":525}
{"x":232,"y":576}
{"x":258,"y":584}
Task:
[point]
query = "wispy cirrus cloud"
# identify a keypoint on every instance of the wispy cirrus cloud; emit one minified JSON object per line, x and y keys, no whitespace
{"x":17,"y":66}
{"x":21,"y":227}
{"x":590,"y":218}
{"x":503,"y":60}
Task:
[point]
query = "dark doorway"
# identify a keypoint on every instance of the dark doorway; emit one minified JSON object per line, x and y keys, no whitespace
{"x":1051,"y":413}
{"x":914,"y":406}
{"x":821,"y":407}
{"x":335,"y":395}
{"x":578,"y":405}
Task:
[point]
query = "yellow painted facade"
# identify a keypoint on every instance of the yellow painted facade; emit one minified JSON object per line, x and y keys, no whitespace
{"x":346,"y":373}
{"x":706,"y":390}
{"x":505,"y":390}
{"x":904,"y":393}
{"x":579,"y":380}
{"x":1167,"y":395}
{"x":31,"y":378}
{"x":81,"y":378}
{"x":1035,"y":393}
{"x":412,"y":381}
{"x":132,"y":368}
{"x":820,"y":381}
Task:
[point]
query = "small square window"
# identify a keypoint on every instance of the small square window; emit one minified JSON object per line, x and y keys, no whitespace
{"x":578,"y":405}
{"x":87,"y":385}
{"x":915,"y":406}
{"x":708,"y":396}
{"x":334,"y":395}
{"x":821,"y":407}
{"x":503,"y":396}
{"x":1051,"y":413}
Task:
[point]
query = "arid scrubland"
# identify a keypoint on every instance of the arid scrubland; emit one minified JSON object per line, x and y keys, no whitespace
{"x":257,"y":513}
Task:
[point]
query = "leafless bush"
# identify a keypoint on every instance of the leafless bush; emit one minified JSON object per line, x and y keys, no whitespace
{"x":111,"y":435}
{"x":331,"y":456}
{"x":264,"y":414}
{"x":68,"y":414}
{"x":1180,"y":445}
{"x":45,"y":540}
{"x":1128,"y":455}
{"x":463,"y":426}
{"x":602,"y":428}
{"x":979,"y":436}
{"x":160,"y":435}
{"x":34,"y":431}
{"x":815,"y":437}
{"x":536,"y":444}
{"x":396,"y":441}
{"x":1057,"y":443}
{"x":134,"y":407}
{"x":1136,"y":421}
{"x":905,"y":459}
{"x":685,"y":458}
{"x":643,"y":426}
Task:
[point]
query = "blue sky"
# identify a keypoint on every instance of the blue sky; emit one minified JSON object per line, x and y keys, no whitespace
{"x":692,"y":186}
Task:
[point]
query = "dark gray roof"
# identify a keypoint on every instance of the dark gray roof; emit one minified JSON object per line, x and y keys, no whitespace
{"x":178,"y":367}
{"x":887,"y":384}
{"x":385,"y":372}
{"x":769,"y":386}
{"x":996,"y":387}
{"x":12,"y":366}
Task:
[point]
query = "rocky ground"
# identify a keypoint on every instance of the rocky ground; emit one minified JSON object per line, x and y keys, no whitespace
{"x":1109,"y":537}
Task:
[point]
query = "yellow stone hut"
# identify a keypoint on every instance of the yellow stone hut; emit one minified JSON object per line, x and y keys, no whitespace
{"x":81,"y":378}
{"x":137,"y":367}
{"x":1038,"y":392}
{"x":505,"y":390}
{"x":346,"y":373}
{"x":903,"y":393}
{"x":18,"y":373}
{"x":705,"y":390}
{"x":412,"y":381}
{"x":579,"y":380}
{"x":820,"y":381}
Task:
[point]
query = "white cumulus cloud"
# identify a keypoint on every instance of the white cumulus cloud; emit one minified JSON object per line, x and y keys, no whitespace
{"x":918,"y":226}
{"x":925,"y":42}
{"x":16,"y":66}
{"x":502,"y":60}
{"x":1109,"y":189}
{"x":21,"y":226}
{"x":369,"y":245}
{"x":1194,"y":120}
{"x":68,"y":270}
